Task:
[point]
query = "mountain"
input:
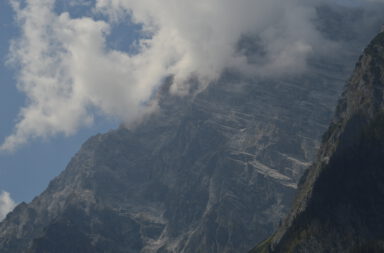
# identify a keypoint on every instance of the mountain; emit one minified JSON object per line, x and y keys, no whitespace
{"x":211,"y":173}
{"x":340,"y":204}
{"x":208,"y":173}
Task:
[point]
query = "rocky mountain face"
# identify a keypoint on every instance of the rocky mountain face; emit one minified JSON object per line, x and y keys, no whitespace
{"x":210,"y":173}
{"x":340,"y":204}
{"x":215,"y":173}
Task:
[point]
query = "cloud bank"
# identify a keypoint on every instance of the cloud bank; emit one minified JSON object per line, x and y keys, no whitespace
{"x":6,"y":204}
{"x":68,"y":71}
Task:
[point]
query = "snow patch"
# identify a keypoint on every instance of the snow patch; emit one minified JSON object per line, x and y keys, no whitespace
{"x":272,"y":173}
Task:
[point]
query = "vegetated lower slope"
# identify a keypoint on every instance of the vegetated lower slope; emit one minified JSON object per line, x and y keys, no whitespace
{"x":340,"y":204}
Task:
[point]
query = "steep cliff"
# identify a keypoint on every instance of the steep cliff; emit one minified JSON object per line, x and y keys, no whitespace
{"x":210,"y":173}
{"x":340,"y":204}
{"x":213,"y":173}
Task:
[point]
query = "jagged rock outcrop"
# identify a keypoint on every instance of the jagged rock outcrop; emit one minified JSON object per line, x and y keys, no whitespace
{"x":340,"y":204}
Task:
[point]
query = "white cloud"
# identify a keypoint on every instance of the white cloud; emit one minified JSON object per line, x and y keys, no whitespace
{"x":6,"y":204}
{"x":202,"y":35}
{"x":67,"y":70}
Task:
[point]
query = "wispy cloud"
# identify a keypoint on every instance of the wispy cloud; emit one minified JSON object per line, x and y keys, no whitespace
{"x":67,"y":71}
{"x":6,"y":204}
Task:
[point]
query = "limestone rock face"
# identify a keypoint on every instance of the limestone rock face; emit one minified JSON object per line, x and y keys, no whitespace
{"x":340,"y":204}
{"x":212,"y":173}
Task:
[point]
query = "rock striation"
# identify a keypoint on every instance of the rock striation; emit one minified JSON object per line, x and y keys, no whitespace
{"x":211,"y":173}
{"x":340,"y":203}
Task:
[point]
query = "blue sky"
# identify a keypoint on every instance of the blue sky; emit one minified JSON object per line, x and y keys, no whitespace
{"x":27,"y":171}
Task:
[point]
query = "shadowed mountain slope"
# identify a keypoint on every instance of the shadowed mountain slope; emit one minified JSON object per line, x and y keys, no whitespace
{"x":340,"y":204}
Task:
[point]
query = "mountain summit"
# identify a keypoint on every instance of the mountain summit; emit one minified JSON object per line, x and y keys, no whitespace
{"x":340,"y":204}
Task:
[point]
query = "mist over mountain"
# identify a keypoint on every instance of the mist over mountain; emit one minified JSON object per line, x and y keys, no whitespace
{"x":212,"y":170}
{"x":76,"y":60}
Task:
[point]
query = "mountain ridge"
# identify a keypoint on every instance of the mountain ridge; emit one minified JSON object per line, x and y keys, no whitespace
{"x":337,"y":208}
